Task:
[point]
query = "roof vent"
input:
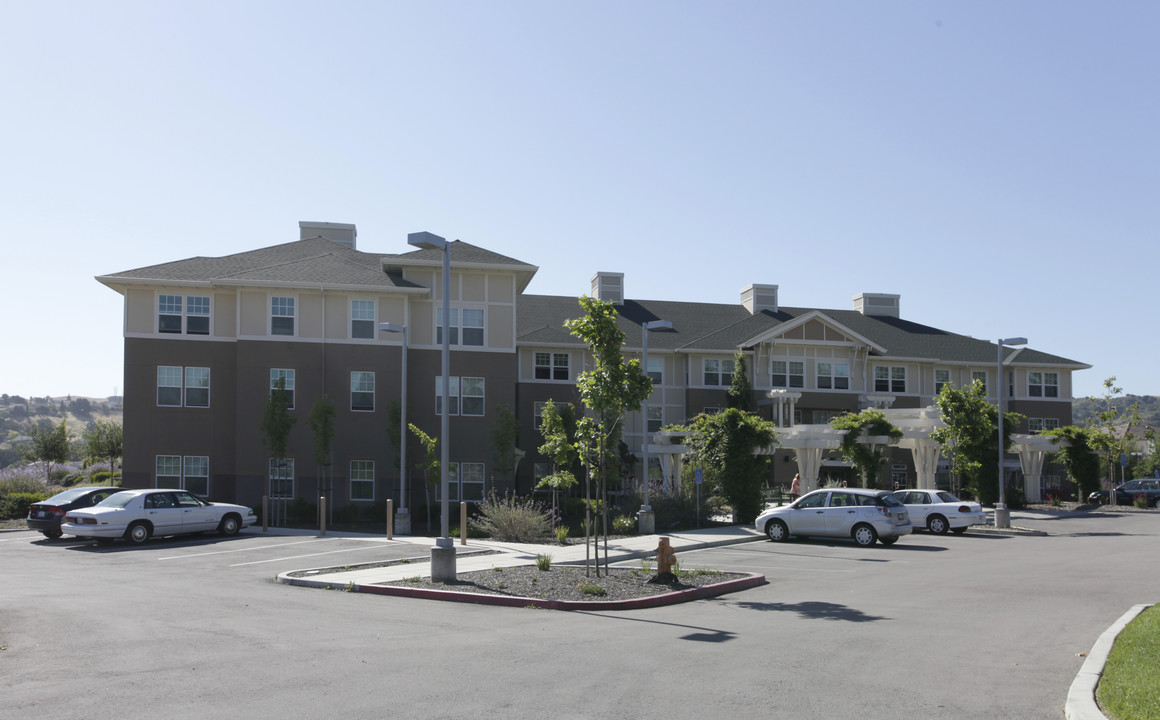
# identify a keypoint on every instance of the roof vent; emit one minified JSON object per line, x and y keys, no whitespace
{"x":341,"y":233}
{"x":877,"y":304}
{"x":608,"y":287}
{"x":756,"y":298}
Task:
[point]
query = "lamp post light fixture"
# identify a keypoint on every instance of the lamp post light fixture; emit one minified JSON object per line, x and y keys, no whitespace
{"x":402,"y":515}
{"x":646,"y":520}
{"x":443,"y":554}
{"x":1002,"y":515}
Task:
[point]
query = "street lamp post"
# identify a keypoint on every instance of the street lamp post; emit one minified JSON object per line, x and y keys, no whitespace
{"x":402,"y":515}
{"x":443,"y":554}
{"x":646,"y":519}
{"x":1002,"y":515}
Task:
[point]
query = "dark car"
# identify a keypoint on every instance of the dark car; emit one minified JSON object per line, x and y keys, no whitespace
{"x":46,"y":515}
{"x":1126,"y":494}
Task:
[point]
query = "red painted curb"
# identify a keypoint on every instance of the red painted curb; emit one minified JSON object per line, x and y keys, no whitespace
{"x":750,"y":580}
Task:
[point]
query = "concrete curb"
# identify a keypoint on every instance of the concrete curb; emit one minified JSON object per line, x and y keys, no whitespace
{"x":1081,"y":696}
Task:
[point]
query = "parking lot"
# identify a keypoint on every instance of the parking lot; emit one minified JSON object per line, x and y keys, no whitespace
{"x":942,"y":626}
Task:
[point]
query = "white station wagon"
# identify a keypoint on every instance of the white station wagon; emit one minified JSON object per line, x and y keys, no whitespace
{"x":138,"y":515}
{"x":865,"y":516}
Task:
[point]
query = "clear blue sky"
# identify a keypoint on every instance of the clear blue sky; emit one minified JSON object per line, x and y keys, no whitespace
{"x":994,"y":163}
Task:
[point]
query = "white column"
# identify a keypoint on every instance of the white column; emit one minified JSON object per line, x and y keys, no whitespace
{"x":1031,"y":461}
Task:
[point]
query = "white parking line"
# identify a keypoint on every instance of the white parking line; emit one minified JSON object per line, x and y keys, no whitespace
{"x":296,"y":557}
{"x":245,"y":549}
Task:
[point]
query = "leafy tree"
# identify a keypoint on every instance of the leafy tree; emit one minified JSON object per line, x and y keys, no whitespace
{"x":723,"y":445}
{"x":1077,"y":457}
{"x":610,"y":389}
{"x":49,"y":447}
{"x":740,"y":393}
{"x":277,"y":422}
{"x":970,"y":438}
{"x":866,"y":459}
{"x":321,"y":422}
{"x":560,"y":446}
{"x":431,"y":465}
{"x":105,"y":439}
{"x":1108,"y":435}
{"x":505,"y":432}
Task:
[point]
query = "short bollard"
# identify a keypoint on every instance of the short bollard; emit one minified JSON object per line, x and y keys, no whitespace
{"x":265,"y":513}
{"x":666,"y":558}
{"x":462,"y":523}
{"x":322,"y":515}
{"x":390,"y":519}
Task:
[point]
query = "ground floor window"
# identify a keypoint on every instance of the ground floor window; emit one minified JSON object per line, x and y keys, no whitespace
{"x":190,"y":472}
{"x":362,"y":479}
{"x":465,"y":483}
{"x":281,"y":478}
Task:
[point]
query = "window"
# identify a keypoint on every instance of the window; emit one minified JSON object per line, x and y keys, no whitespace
{"x":711,"y":410}
{"x":788,"y":373}
{"x":362,"y":319}
{"x":1043,"y":384}
{"x":362,"y":479}
{"x":551,"y":366}
{"x":656,"y":370}
{"x":1035,"y":425}
{"x":717,"y":372}
{"x":941,"y":379}
{"x":898,"y":476}
{"x":538,"y":409}
{"x":464,"y":482}
{"x":831,"y":376}
{"x":281,"y":478}
{"x":170,"y":386}
{"x":540,"y":471}
{"x":823,"y":417}
{"x":171,"y":319}
{"x":889,"y":379}
{"x":277,"y":374}
{"x":980,"y":376}
{"x":362,"y":391}
{"x":192,"y":476}
{"x":465,"y":396}
{"x":472,"y":328}
{"x":281,"y":316}
{"x":656,"y":417}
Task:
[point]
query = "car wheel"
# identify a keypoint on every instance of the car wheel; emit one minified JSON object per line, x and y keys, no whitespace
{"x":777,"y":531}
{"x":138,"y":533}
{"x":1156,"y":504}
{"x":864,"y":535}
{"x":51,"y":534}
{"x":230,"y":525}
{"x":888,"y":541}
{"x":958,"y":531}
{"x":937,"y":524}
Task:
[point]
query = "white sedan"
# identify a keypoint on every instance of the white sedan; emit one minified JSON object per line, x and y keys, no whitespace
{"x":138,"y":515}
{"x":939,"y":511}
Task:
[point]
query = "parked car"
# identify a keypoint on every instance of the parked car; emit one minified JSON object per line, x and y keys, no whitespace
{"x":137,"y":515}
{"x":46,"y":515}
{"x":939,"y":511}
{"x":1126,"y":494}
{"x":866,"y":516}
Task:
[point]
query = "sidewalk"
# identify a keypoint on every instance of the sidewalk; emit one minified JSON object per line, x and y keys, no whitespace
{"x":487,"y":554}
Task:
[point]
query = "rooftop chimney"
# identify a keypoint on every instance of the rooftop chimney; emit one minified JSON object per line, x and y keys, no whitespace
{"x":756,"y":298}
{"x":341,"y":233}
{"x":877,"y":304}
{"x":608,"y":287}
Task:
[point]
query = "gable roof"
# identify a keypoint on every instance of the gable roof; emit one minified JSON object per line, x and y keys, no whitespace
{"x":462,"y":255}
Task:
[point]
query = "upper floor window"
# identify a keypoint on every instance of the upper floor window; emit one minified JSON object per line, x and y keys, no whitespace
{"x":470,"y":331}
{"x":551,"y":366}
{"x":941,"y":379}
{"x":980,"y":376}
{"x":831,"y":376}
{"x":177,"y":314}
{"x":656,"y":370}
{"x":362,"y":479}
{"x":277,"y":374}
{"x":656,"y":418}
{"x":889,"y":379}
{"x":790,"y":373}
{"x":362,"y":390}
{"x":362,"y":319}
{"x":1035,"y":425}
{"x":281,"y":315}
{"x":1043,"y":384}
{"x":717,"y":372}
{"x":465,"y":396}
{"x":178,"y":386}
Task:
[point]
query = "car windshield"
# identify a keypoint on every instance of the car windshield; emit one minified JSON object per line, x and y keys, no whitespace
{"x":946,"y":496}
{"x":889,"y":500}
{"x":117,"y":500}
{"x":65,"y":497}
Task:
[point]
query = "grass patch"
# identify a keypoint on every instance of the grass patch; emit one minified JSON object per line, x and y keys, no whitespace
{"x":1130,"y":686}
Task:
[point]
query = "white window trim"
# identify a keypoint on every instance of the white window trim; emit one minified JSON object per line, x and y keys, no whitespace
{"x":270,"y":315}
{"x":373,"y":391}
{"x":362,"y":481}
{"x":292,"y":390}
{"x":458,"y":326}
{"x":182,"y":475}
{"x":789,"y":374}
{"x":184,"y":387}
{"x":184,"y":314}
{"x":374,"y":320}
{"x":270,"y":477}
{"x":890,"y":379}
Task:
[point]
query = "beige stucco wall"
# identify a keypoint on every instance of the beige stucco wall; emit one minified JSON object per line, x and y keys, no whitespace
{"x":309,"y":320}
{"x":225,"y":314}
{"x":501,"y":288}
{"x":255,"y":317}
{"x":139,"y":313}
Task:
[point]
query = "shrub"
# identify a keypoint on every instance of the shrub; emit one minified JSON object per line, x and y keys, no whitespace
{"x":543,"y":561}
{"x":514,"y":519}
{"x":23,"y":479}
{"x":562,"y":534}
{"x":623,"y":525}
{"x":301,"y":512}
{"x":101,"y":478}
{"x":15,"y":505}
{"x":1015,"y":499}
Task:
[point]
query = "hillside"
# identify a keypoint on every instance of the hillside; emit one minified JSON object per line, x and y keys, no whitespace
{"x":19,"y":416}
{"x":1149,"y":408}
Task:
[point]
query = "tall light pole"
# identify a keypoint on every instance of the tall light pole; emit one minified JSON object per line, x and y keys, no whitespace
{"x":443,"y":554}
{"x":646,"y":520}
{"x":402,"y":515}
{"x":1002,"y":515}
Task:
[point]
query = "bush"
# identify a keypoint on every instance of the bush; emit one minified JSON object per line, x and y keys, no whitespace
{"x":301,"y":512}
{"x":15,"y":505}
{"x":514,"y":519}
{"x":14,"y":480}
{"x":101,"y":478}
{"x":623,"y":525}
{"x":562,"y":534}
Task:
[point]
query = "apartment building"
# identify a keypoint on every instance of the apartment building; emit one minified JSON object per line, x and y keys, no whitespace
{"x":207,"y":338}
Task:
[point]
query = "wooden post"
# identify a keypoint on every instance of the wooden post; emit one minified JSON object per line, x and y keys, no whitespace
{"x":265,"y":513}
{"x":390,"y":519}
{"x":462,"y":523}
{"x":322,"y":515}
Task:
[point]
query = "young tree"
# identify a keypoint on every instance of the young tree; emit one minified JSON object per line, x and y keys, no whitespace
{"x":970,"y":437}
{"x":611,"y":388}
{"x":50,"y":447}
{"x":723,"y":446}
{"x":1108,"y":434}
{"x":105,"y":439}
{"x":277,"y":423}
{"x":1077,"y":457}
{"x":866,"y":459}
{"x":321,"y":422}
{"x":560,"y":446}
{"x":505,"y":432}
{"x":740,"y":394}
{"x":430,"y":466}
